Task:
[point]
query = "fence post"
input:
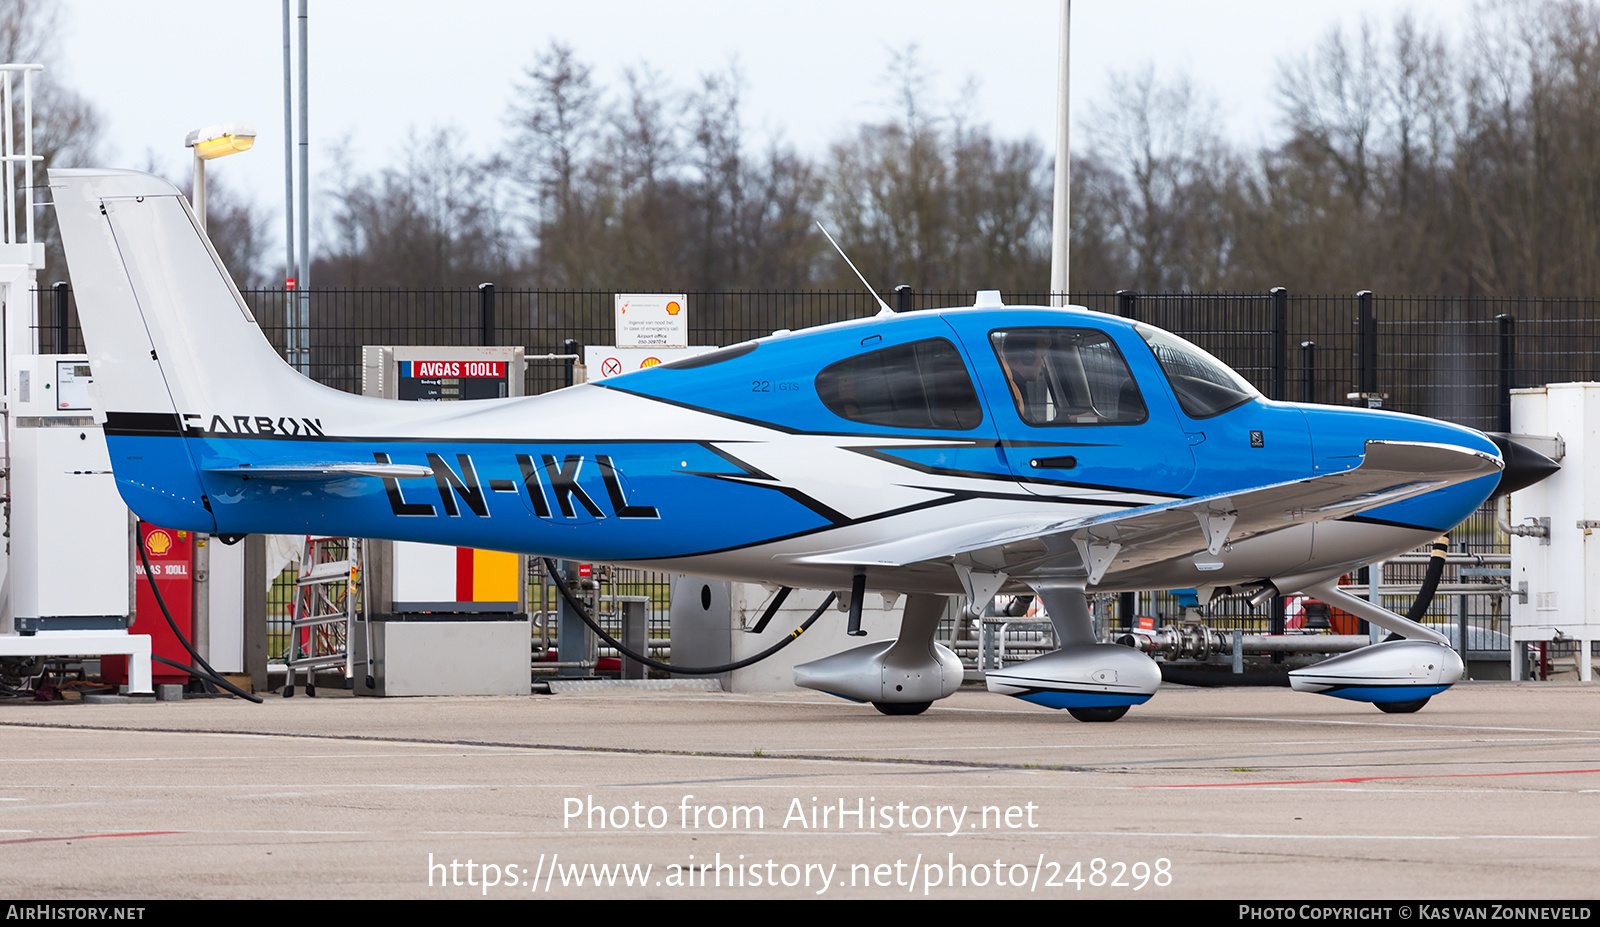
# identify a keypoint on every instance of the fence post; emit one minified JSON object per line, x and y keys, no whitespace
{"x":1507,"y":336}
{"x":1462,"y":628}
{"x":1308,"y":369}
{"x":902,"y":298}
{"x":1126,"y":300}
{"x":60,"y":289}
{"x":486,"y":313}
{"x":1280,"y":342}
{"x":256,"y":582}
{"x":1367,"y":352}
{"x":570,"y":346}
{"x":1280,"y":391}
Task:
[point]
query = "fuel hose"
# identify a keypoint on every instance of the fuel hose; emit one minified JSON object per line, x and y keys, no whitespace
{"x":209,"y":675}
{"x":1430,"y":581}
{"x":583,"y":613}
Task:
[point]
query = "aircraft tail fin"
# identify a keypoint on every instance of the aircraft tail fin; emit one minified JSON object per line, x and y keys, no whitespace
{"x":171,"y":342}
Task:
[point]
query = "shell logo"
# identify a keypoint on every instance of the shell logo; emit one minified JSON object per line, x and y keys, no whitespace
{"x":158,"y":542}
{"x":673,"y":308}
{"x":649,"y":362}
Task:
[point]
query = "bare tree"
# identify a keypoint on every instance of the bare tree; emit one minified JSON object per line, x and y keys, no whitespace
{"x":656,"y":188}
{"x":1359,"y":195}
{"x":1528,"y":163}
{"x":1099,"y":262}
{"x":1331,"y":100}
{"x":556,"y":121}
{"x":1166,"y":170}
{"x":717,"y":155}
{"x":238,"y":230}
{"x":65,"y":126}
{"x":429,"y":223}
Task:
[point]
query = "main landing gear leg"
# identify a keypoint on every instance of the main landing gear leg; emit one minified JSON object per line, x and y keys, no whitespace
{"x":1092,"y":681}
{"x":1068,"y":609}
{"x":899,"y":677}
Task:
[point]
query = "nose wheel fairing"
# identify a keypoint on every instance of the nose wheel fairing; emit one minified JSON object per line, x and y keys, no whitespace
{"x":1399,"y":673}
{"x":1386,"y":673}
{"x":1383,"y":695}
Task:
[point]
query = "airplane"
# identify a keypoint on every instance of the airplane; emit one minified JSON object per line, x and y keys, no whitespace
{"x":974,"y":451}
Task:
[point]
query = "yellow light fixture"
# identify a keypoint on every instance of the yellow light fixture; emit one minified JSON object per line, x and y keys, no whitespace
{"x":224,"y":138}
{"x":221,"y":139}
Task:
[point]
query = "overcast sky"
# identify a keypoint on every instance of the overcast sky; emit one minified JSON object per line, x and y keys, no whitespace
{"x":159,"y":68}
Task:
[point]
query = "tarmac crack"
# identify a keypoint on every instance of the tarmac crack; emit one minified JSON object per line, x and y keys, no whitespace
{"x":569,"y":748}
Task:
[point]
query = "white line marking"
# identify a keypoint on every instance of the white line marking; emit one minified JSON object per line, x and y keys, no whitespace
{"x":1167,"y":835}
{"x":1413,"y":724}
{"x":1179,"y":745}
{"x":258,"y":758}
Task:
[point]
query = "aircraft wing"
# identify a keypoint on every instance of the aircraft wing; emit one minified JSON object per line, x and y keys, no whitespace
{"x":1390,"y":472}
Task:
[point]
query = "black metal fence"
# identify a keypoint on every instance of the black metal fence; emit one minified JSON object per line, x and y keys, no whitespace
{"x":1445,"y":357}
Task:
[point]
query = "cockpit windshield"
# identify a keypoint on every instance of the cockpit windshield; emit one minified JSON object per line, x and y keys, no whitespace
{"x":1204,"y":385}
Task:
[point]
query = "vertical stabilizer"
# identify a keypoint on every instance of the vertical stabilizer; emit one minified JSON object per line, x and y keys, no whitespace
{"x":169,"y":338}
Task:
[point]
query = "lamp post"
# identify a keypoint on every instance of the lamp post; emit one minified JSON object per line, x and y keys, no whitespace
{"x":211,"y":142}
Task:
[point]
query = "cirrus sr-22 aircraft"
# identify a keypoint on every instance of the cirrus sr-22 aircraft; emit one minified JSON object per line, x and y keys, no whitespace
{"x":978,"y":450}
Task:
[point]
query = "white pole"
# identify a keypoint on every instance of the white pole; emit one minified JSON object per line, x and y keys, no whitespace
{"x":10,"y":150}
{"x":1061,"y":226}
{"x":198,"y":200}
{"x":303,"y":317}
{"x":27,"y":154}
{"x":289,"y":267}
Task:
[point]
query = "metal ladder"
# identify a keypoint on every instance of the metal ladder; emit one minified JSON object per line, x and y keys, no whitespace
{"x":326,"y":598}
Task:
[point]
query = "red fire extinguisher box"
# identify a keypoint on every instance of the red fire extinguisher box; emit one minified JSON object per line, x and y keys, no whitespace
{"x":171,"y":556}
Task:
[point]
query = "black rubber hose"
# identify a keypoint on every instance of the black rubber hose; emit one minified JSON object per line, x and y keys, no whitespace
{"x":583,"y":613}
{"x":214,"y":677}
{"x":1430,"y":582}
{"x":192,"y":672}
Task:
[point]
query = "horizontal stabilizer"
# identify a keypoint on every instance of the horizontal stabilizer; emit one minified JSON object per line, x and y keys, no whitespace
{"x":322,"y":471}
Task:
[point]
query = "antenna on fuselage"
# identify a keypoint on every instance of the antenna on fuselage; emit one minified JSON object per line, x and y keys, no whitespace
{"x":883,"y":307}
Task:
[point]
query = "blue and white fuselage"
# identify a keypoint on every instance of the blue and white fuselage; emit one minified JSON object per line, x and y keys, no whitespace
{"x":965,"y":450}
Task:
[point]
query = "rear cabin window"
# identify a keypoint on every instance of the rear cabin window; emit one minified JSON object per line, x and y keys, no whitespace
{"x":919,"y":385}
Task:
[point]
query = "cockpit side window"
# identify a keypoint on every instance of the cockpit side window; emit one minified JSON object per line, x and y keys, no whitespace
{"x":1068,"y":376}
{"x":1204,"y":385}
{"x":921,"y":385}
